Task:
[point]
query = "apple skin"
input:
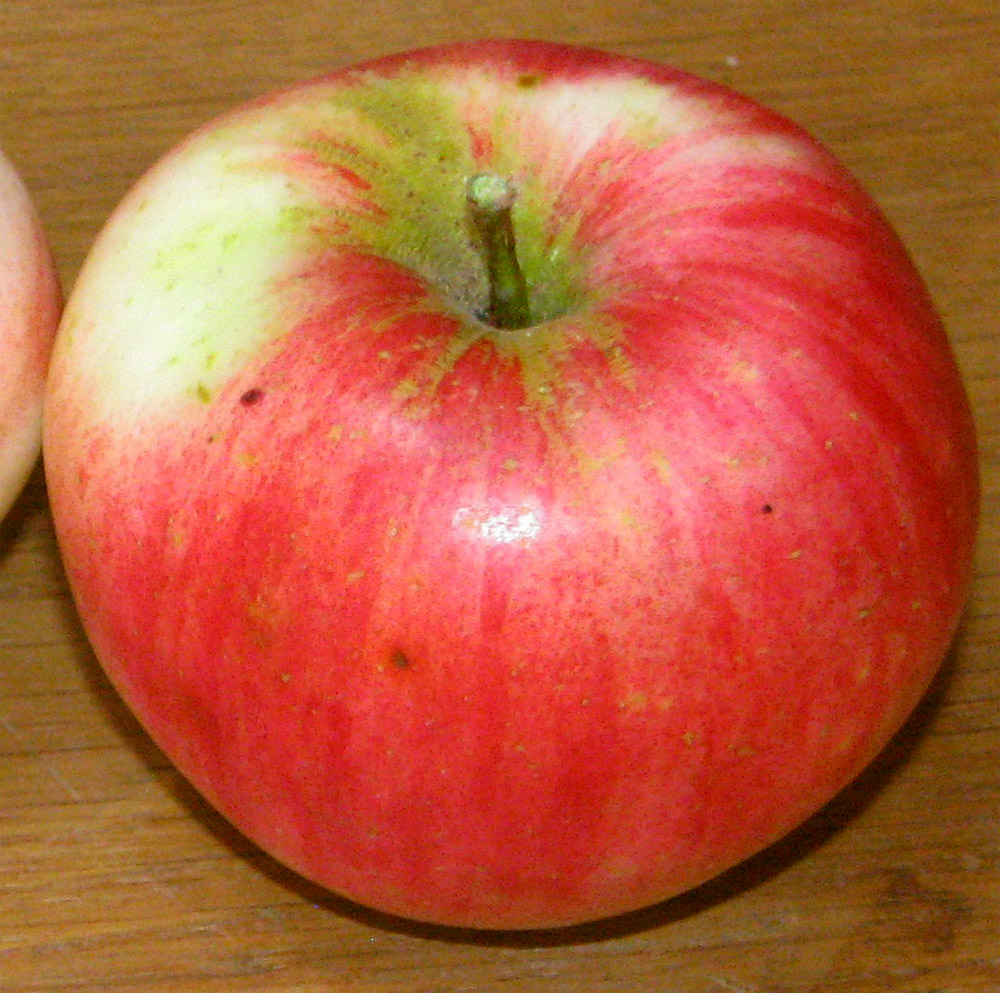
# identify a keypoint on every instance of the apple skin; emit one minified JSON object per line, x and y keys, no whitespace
{"x":510,"y":629}
{"x":30,"y":303}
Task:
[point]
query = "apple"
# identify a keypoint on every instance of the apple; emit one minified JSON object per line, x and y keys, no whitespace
{"x":30,"y":302}
{"x":513,"y":483}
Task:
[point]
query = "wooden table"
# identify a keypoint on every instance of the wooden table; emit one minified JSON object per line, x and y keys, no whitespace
{"x":115,"y":876}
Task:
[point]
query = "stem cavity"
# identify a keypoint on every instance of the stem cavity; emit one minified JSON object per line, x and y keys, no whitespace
{"x":490,"y":199}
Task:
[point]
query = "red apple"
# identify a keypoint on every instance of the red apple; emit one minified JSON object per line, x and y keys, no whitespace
{"x":29,"y":312}
{"x":510,"y":614}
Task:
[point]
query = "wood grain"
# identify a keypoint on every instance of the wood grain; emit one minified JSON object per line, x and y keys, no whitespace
{"x":115,"y":876}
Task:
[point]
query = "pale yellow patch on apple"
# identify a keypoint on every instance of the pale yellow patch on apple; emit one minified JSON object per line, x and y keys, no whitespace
{"x":180,"y":288}
{"x":647,"y":112}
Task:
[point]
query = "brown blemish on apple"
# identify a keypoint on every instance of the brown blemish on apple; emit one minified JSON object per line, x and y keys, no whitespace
{"x":603,"y":459}
{"x":265,"y":617}
{"x":176,"y":534}
{"x":252,"y":397}
{"x":744,"y":372}
{"x":629,"y":520}
{"x":400,"y":660}
{"x":634,"y":702}
{"x":661,"y":465}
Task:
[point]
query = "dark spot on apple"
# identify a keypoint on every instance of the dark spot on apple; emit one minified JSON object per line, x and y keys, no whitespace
{"x":252,"y":397}
{"x":399,"y":660}
{"x":767,"y":509}
{"x":529,"y":80}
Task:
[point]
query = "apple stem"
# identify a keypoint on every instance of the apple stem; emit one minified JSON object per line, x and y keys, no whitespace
{"x":490,"y":199}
